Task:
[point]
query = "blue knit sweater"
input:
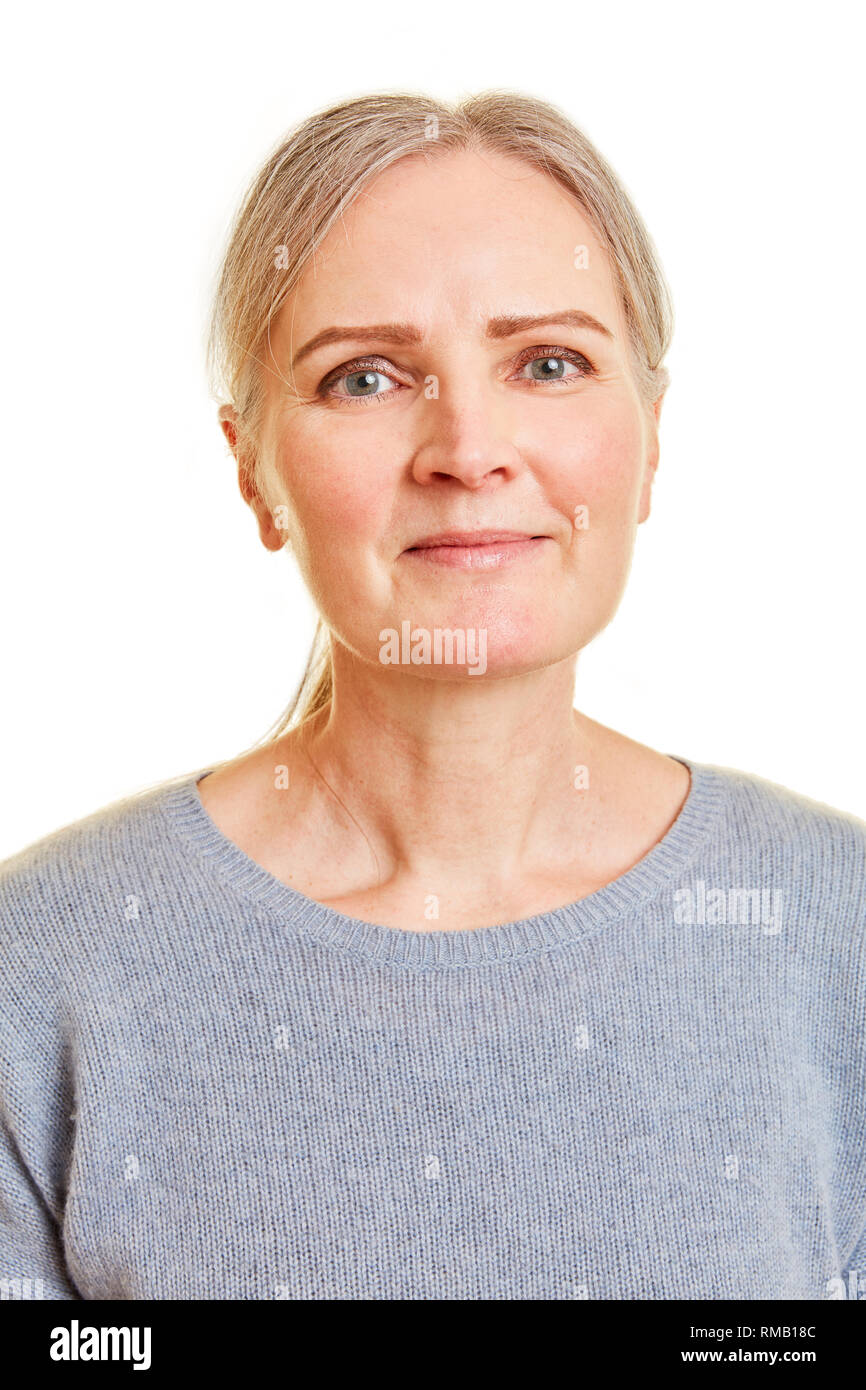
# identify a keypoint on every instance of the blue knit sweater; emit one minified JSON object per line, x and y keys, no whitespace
{"x":213,"y":1087}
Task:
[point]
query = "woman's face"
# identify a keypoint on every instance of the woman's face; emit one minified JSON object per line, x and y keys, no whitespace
{"x":471,"y":418}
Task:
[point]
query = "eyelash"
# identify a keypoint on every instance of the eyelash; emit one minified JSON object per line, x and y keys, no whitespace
{"x":359,"y":364}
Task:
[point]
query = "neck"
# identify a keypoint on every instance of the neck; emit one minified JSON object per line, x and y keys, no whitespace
{"x":482,"y":779}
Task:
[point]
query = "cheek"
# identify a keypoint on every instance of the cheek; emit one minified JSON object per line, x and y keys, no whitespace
{"x":596,"y":466}
{"x":347,"y":505}
{"x":339,"y":504}
{"x":593,"y":476}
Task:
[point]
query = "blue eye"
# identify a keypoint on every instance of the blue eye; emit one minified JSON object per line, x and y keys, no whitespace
{"x":553,"y":367}
{"x":362,"y":381}
{"x":363,"y":376}
{"x":366,"y":382}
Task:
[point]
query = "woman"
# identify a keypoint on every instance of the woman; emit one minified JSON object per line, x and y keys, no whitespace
{"x":446,"y":990}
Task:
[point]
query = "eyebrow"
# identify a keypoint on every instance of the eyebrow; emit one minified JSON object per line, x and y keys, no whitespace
{"x":503,"y":326}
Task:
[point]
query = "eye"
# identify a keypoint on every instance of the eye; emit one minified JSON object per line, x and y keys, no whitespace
{"x":363,"y":379}
{"x":363,"y":376}
{"x":551,"y":362}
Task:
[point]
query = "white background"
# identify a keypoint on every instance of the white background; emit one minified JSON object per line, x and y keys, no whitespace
{"x":148,"y":632}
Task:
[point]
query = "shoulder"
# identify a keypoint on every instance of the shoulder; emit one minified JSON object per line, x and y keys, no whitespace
{"x":811,"y":855}
{"x":767,"y":813}
{"x":83,"y":872}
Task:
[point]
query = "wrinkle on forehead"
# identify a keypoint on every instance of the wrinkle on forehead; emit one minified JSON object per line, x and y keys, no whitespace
{"x":449,"y":243}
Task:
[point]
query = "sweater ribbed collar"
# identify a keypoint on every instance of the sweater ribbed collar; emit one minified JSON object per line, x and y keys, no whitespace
{"x":660,"y":869}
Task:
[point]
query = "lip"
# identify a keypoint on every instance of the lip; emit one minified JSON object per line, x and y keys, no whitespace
{"x":476,"y":549}
{"x":473,"y":538}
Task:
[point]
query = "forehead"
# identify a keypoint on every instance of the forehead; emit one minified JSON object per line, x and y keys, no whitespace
{"x":451,"y":241}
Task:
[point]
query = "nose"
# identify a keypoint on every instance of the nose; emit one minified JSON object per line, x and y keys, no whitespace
{"x":467,"y":435}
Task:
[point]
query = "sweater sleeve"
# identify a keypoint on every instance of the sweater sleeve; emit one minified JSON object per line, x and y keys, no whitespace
{"x":857,"y":1262}
{"x":31,"y":1255}
{"x":36,"y":1129}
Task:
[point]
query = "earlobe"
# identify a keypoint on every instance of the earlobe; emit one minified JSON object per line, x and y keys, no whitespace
{"x":645,"y":501}
{"x":244,"y":457}
{"x":649,"y":478}
{"x":270,"y":532}
{"x":652,"y":462}
{"x":271,"y":537}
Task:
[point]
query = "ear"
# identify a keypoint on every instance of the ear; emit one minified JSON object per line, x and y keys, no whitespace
{"x":272,"y":537}
{"x":652,"y":460}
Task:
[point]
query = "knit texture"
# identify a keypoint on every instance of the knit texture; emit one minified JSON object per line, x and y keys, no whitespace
{"x":213,"y":1087}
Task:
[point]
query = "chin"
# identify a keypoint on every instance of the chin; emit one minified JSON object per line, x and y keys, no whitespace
{"x":473,"y":646}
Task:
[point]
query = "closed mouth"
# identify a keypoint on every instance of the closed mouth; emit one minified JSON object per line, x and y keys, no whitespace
{"x":473,"y":539}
